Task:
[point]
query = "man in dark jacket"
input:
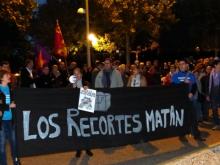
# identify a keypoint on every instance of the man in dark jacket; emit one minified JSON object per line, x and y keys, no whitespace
{"x":27,"y":75}
{"x":44,"y":80}
{"x":214,"y":93}
{"x":204,"y":88}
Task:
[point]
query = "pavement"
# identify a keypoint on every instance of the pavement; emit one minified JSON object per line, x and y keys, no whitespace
{"x":169,"y":151}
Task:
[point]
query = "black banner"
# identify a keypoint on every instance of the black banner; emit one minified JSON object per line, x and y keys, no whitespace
{"x":48,"y":120}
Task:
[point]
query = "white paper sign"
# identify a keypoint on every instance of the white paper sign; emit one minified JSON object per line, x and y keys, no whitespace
{"x":87,"y":100}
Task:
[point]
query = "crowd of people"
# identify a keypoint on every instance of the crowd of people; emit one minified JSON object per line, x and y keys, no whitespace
{"x":202,"y":77}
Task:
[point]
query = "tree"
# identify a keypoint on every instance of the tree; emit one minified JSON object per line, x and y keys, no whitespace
{"x":134,"y":16}
{"x":120,"y":20}
{"x":15,"y":17}
{"x":18,"y":12}
{"x":103,"y":44}
{"x":73,"y":25}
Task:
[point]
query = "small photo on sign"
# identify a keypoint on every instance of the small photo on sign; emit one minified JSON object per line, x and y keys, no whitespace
{"x":87,"y":99}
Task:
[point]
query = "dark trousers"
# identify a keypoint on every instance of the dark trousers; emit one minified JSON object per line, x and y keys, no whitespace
{"x":194,"y":127}
{"x":215,"y":105}
{"x":205,"y":110}
{"x":7,"y":132}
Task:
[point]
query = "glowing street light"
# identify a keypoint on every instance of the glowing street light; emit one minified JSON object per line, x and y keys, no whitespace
{"x":81,"y":11}
{"x":93,"y":39}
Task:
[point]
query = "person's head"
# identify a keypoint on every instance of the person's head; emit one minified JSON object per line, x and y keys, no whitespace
{"x":142,"y":65}
{"x":116,"y":64}
{"x":217,"y":65}
{"x":172,"y":68}
{"x":100,"y":65}
{"x":136,"y":62}
{"x":77,"y":73}
{"x":206,"y":61}
{"x":85,"y":67}
{"x":135,"y":70}
{"x":196,"y":74}
{"x":156,"y":63}
{"x":208,"y":69}
{"x":148,"y":64}
{"x":73,"y":65}
{"x":183,"y":66}
{"x":54,"y":69}
{"x":4,"y":65}
{"x":29,"y":64}
{"x":108,"y":64}
{"x":122,"y":68}
{"x":5,"y":77}
{"x":62,"y":65}
{"x":45,"y":70}
{"x":152,"y":70}
{"x":165,"y":65}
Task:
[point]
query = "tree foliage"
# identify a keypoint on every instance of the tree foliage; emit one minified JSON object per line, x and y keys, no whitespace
{"x":18,"y":12}
{"x":104,"y":44}
{"x":133,"y":16}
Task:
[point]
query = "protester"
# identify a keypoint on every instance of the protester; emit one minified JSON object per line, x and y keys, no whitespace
{"x":124,"y":73}
{"x":27,"y":75}
{"x":44,"y":80}
{"x":136,"y":79}
{"x":79,"y":83}
{"x":184,"y":76}
{"x":198,"y":95}
{"x":148,"y":66}
{"x":142,"y":68}
{"x":153,"y":77}
{"x":64,"y":73}
{"x":71,"y":66}
{"x":87,"y":73}
{"x":56,"y":79}
{"x":168,"y":78}
{"x":205,"y":87}
{"x":108,"y":77}
{"x":214,"y":93}
{"x":7,"y":124}
{"x":78,"y":79}
{"x":4,"y":65}
{"x":165,"y":70}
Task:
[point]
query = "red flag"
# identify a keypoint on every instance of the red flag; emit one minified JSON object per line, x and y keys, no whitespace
{"x":40,"y":60}
{"x":59,"y":44}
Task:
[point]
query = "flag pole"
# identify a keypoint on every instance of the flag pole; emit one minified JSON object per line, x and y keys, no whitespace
{"x":65,"y":61}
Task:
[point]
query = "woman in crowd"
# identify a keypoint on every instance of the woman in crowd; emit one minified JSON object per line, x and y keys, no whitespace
{"x":7,"y":127}
{"x":136,"y":79}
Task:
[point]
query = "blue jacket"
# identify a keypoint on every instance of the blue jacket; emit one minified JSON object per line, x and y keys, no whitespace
{"x":180,"y":77}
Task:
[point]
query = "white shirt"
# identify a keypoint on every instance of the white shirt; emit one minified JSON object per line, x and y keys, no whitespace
{"x":136,"y":81}
{"x":31,"y":74}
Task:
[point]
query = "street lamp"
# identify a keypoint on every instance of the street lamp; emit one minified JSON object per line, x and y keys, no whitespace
{"x":93,"y":39}
{"x":83,"y":11}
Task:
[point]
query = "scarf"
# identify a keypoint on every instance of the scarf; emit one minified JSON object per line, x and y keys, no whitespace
{"x":106,"y":78}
